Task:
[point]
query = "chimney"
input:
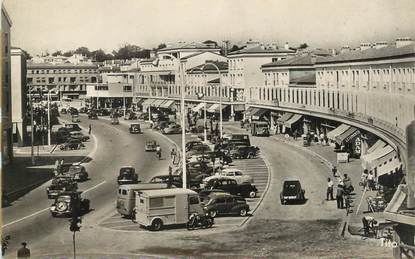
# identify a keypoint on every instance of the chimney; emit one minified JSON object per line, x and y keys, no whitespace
{"x":381,"y":44}
{"x":365,"y":46}
{"x":286,"y":46}
{"x":401,"y":42}
{"x":344,"y":49}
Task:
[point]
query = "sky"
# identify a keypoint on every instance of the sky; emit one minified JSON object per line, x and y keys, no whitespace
{"x":49,"y":25}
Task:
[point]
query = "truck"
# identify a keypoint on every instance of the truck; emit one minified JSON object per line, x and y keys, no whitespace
{"x":158,"y":208}
{"x":126,"y":196}
{"x":260,"y":128}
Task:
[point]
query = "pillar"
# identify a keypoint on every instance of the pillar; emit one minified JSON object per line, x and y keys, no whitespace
{"x":232,"y":118}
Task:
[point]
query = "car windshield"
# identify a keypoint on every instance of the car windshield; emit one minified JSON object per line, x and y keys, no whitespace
{"x":291,"y":188}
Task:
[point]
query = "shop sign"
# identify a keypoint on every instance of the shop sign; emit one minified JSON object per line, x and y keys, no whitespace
{"x":357,"y":146}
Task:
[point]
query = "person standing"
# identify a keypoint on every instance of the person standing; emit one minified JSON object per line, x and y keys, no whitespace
{"x":23,"y":252}
{"x":329,"y":189}
{"x":370,"y":181}
{"x":89,"y":129}
{"x":334,"y":171}
{"x":339,"y":197}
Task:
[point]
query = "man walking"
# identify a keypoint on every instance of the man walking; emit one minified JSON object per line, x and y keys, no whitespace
{"x":23,"y":252}
{"x":339,"y":196}
{"x":329,"y":189}
{"x":89,"y":129}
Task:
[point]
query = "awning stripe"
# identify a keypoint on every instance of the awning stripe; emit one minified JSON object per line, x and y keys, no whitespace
{"x":292,"y":120}
{"x":337,"y":131}
{"x":378,"y":145}
{"x":167,"y":104}
{"x":373,"y":159}
{"x":198,"y":107}
{"x":347,"y":135}
{"x":390,"y":167}
{"x":285,"y":117}
{"x":148,"y":102}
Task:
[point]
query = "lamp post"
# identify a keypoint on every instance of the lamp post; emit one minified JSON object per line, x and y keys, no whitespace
{"x":49,"y":122}
{"x":32,"y":134}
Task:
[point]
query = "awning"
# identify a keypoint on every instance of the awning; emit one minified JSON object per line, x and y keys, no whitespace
{"x":148,"y":102}
{"x":285,"y":117}
{"x":167,"y":104}
{"x":337,"y":131}
{"x":139,"y":101}
{"x":378,"y":145}
{"x":157,"y":103}
{"x":374,"y":159}
{"x":250,"y":111}
{"x":198,"y":107}
{"x":348,"y":135}
{"x":292,"y":120}
{"x":390,"y":167}
{"x":258,"y":114}
{"x":215,"y":108}
{"x":238,"y":107}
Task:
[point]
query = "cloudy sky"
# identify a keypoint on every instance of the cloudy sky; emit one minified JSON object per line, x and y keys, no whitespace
{"x":40,"y":25}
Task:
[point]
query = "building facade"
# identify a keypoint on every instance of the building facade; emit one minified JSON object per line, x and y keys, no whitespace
{"x":6,"y":105}
{"x":67,"y":80}
{"x":19,"y":96}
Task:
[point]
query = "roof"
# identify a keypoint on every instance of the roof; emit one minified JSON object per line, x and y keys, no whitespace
{"x":307,"y":60}
{"x":66,"y":65}
{"x":370,"y":54}
{"x":307,"y":79}
{"x":148,"y":60}
{"x":260,"y":50}
{"x":199,"y":53}
{"x":222,"y":65}
{"x":191,"y":45}
{"x":231,"y":170}
{"x":164,"y":192}
{"x":6,"y":15}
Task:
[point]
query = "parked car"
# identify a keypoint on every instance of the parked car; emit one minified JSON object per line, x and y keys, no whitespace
{"x":127,"y":175}
{"x":134,"y":128}
{"x":92,"y":115}
{"x":62,"y":135}
{"x":75,"y":118}
{"x":130,"y":116}
{"x":177,"y":181}
{"x":203,"y":167}
{"x":292,"y":191}
{"x":172,"y":129}
{"x":59,"y":185}
{"x":78,"y":135}
{"x":242,"y":152}
{"x":115,"y":121}
{"x":231,"y":173}
{"x":73,"y":111}
{"x":225,"y":203}
{"x":150,"y":146}
{"x":72,"y":144}
{"x":83,"y":110}
{"x":72,"y":127}
{"x":78,"y":172}
{"x":103,"y":112}
{"x":143,"y":116}
{"x":64,"y":204}
{"x":63,"y":111}
{"x":232,"y":187}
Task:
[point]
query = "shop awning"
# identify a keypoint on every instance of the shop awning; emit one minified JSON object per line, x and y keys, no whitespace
{"x":348,"y":135}
{"x":139,"y":101}
{"x":198,"y":107}
{"x":239,"y":107}
{"x":337,"y":131}
{"x":372,"y":160}
{"x":148,"y":102}
{"x":390,"y":167}
{"x":378,"y":145}
{"x":157,"y":103}
{"x":285,"y":117}
{"x":215,"y":108}
{"x":251,"y":111}
{"x":258,"y":114}
{"x":292,"y":120}
{"x":167,"y":104}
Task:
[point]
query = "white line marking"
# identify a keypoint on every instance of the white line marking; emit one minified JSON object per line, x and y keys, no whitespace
{"x":45,"y":209}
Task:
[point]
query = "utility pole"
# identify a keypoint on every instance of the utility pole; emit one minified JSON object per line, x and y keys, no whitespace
{"x":49,"y":123}
{"x":32,"y":135}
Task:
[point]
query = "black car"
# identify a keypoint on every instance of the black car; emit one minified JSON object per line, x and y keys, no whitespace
{"x":68,"y":202}
{"x":134,"y":128}
{"x":77,"y":172}
{"x":64,"y":111}
{"x":59,"y":185}
{"x":127,"y":175}
{"x":224,"y":203}
{"x":292,"y":192}
{"x":83,"y":110}
{"x":241,"y":152}
{"x":232,"y":187}
{"x":130,"y":116}
{"x":72,"y":127}
{"x":72,"y":144}
{"x":73,"y":111}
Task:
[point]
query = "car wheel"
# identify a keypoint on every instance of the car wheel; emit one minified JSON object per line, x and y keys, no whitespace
{"x":252,"y":194}
{"x":243,"y":212}
{"x":157,"y":225}
{"x":213,"y":213}
{"x":250,"y":155}
{"x":54,"y":214}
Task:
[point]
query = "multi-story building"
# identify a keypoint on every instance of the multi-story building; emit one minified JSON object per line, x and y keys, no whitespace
{"x":19,"y":96}
{"x":74,"y":59}
{"x":67,"y":80}
{"x":6,"y":106}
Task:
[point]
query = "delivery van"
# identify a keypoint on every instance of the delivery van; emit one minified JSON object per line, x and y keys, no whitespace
{"x":126,"y":196}
{"x":158,"y":208}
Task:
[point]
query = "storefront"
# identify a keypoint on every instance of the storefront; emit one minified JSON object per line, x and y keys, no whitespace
{"x":350,"y":141}
{"x":294,"y":125}
{"x":281,"y":122}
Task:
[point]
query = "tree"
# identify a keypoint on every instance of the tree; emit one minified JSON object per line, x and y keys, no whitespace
{"x":27,"y":54}
{"x":83,"y":51}
{"x":129,"y":51}
{"x":303,"y":46}
{"x":57,"y":53}
{"x":100,"y":55}
{"x":161,"y":46}
{"x":68,"y":53}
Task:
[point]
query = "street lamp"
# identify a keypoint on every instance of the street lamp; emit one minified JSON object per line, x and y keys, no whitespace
{"x":32,"y":135}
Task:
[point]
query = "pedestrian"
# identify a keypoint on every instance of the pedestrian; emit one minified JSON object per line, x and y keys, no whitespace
{"x":158,"y":152}
{"x":371,"y":181}
{"x":295,"y":134}
{"x":348,"y":187}
{"x":23,"y":252}
{"x":329,"y":189}
{"x":89,"y":129}
{"x":334,"y":171}
{"x":339,"y":197}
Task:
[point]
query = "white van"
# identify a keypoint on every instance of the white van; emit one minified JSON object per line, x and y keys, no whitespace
{"x":157,"y":208}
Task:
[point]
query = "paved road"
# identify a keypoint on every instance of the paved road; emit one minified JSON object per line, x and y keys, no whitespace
{"x":29,"y":219}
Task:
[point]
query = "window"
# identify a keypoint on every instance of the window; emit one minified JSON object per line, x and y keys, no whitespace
{"x":156,"y":202}
{"x":124,"y":192}
{"x":193,"y":200}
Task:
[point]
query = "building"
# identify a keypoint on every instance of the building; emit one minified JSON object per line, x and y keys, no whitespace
{"x":244,"y":68}
{"x":19,"y":96}
{"x":66,"y":80}
{"x":6,"y":105}
{"x":74,"y":59}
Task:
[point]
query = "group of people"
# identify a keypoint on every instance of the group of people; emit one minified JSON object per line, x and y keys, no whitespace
{"x":344,"y":188}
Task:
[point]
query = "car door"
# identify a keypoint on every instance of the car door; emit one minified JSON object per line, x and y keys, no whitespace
{"x":233,"y":187}
{"x":229,"y":201}
{"x":220,"y":205}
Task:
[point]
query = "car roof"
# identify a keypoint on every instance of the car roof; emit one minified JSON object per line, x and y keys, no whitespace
{"x":231,"y":170}
{"x":291,"y":179}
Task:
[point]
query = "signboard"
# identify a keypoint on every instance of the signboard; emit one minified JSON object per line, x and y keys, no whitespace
{"x":342,"y":157}
{"x":358,"y":146}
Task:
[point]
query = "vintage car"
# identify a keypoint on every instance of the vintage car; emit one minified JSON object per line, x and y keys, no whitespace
{"x":172,"y":129}
{"x":62,"y":135}
{"x":231,"y":173}
{"x":150,"y":146}
{"x":63,"y":111}
{"x":67,"y":203}
{"x":205,"y":194}
{"x":73,"y":111}
{"x":232,"y":187}
{"x":92,"y":115}
{"x":127,"y":175}
{"x":72,"y":144}
{"x":143,"y":116}
{"x":134,"y":128}
{"x":225,"y":203}
{"x":78,"y":135}
{"x":115,"y":121}
{"x":77,"y":172}
{"x":177,"y":181}
{"x":72,"y":127}
{"x":75,"y":118}
{"x":130,"y":115}
{"x":292,"y":191}
{"x":241,"y":152}
{"x":103,"y":112}
{"x":61,"y":184}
